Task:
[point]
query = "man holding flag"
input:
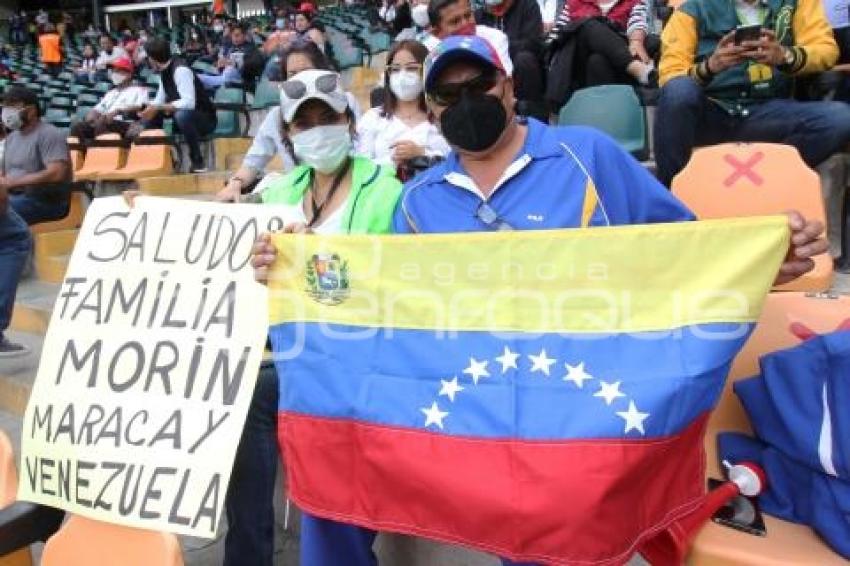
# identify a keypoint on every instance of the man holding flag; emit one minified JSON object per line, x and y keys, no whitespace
{"x":503,"y":174}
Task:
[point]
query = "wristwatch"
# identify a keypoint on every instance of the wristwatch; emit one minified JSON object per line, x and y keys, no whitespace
{"x":788,"y":56}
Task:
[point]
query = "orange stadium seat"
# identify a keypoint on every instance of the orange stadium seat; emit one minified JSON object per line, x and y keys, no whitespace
{"x":144,"y":160}
{"x":786,"y":319}
{"x":8,"y":494}
{"x":84,"y":542}
{"x":751,"y":179}
{"x":72,"y":220}
{"x":101,"y":160}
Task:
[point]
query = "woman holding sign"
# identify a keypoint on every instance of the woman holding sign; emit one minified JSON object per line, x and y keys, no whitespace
{"x":330,"y":192}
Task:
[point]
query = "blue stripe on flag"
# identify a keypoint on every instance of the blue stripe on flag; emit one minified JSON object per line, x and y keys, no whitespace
{"x":478,"y":384}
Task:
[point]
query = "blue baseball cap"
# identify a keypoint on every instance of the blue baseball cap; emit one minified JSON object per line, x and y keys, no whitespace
{"x":459,"y":48}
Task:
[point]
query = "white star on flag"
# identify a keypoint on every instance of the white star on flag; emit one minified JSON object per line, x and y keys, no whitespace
{"x":577,"y":375}
{"x":433,"y":415}
{"x":634,"y":418}
{"x":450,"y":388}
{"x":477,"y":370}
{"x":609,"y":391}
{"x":541,"y":362}
{"x":508,"y":360}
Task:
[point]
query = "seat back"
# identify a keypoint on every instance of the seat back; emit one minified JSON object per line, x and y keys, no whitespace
{"x":614,"y":109}
{"x":266,"y":95}
{"x":785,"y":320}
{"x":85,"y":542}
{"x":752,"y":179}
{"x":101,"y":159}
{"x":149,"y":157}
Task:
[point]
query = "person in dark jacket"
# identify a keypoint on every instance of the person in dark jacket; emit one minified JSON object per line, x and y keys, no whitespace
{"x":522,"y":22}
{"x":182,"y":96}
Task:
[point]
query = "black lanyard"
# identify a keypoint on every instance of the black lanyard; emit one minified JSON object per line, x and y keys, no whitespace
{"x":318,"y":208}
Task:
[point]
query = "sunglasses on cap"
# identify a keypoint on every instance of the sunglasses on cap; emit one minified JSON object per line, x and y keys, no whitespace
{"x":297,"y":89}
{"x":488,"y":215}
{"x":446,"y":94}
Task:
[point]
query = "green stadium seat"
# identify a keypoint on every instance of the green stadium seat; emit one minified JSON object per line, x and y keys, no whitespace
{"x":61,"y":102}
{"x":614,"y":109}
{"x":266,"y":95}
{"x":90,"y":99}
{"x":102,"y":87}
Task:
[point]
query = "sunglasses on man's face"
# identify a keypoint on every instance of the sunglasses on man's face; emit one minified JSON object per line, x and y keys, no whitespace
{"x":296,"y":89}
{"x":446,"y":94}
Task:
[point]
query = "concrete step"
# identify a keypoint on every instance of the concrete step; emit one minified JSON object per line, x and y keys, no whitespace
{"x":18,"y":374}
{"x":33,"y":305}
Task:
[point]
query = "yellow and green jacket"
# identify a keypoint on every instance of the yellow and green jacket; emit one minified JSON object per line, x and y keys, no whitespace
{"x":693,"y":31}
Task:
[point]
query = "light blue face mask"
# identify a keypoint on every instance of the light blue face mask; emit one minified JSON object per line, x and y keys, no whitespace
{"x":280,"y":23}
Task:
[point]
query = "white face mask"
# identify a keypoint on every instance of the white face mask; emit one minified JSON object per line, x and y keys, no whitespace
{"x":406,"y":85}
{"x":419,"y":13}
{"x":218,"y":29}
{"x":12,"y":118}
{"x":323,"y":148}
{"x":118,"y":78}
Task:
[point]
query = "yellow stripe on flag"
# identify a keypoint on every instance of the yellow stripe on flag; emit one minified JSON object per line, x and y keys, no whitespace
{"x":618,"y":279}
{"x":590,"y":201}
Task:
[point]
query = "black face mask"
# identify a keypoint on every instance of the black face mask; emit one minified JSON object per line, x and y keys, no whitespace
{"x":475,"y":122}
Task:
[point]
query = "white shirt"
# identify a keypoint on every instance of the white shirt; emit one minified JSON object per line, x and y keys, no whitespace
{"x":184,"y":80}
{"x":294,"y":213}
{"x":375,"y":135}
{"x":119,"y":99}
{"x":268,"y":142}
{"x":548,"y":9}
{"x":104,"y":59}
{"x":837,"y":12}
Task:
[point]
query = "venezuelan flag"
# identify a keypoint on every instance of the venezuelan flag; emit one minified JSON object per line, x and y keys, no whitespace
{"x":539,"y":395}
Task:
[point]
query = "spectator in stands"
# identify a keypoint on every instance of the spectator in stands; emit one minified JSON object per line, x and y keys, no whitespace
{"x":84,"y":73}
{"x":715,"y":91}
{"x":472,"y":98}
{"x":182,"y":96}
{"x":91,"y":33}
{"x":18,"y":28}
{"x":109,"y":52}
{"x":118,"y":110}
{"x":269,"y":141}
{"x":307,"y":30}
{"x":192,"y":47}
{"x":838,"y":15}
{"x":599,"y":43}
{"x":231,"y":59}
{"x":41,"y":19}
{"x":51,"y":49}
{"x":420,"y":30}
{"x":329,"y":193}
{"x":402,"y":133}
{"x":15,"y":246}
{"x":129,"y":43}
{"x":523,"y":24}
{"x":455,"y":17}
{"x":36,"y":161}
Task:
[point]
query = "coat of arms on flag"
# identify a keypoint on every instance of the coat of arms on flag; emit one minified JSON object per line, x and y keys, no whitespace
{"x":327,"y":278}
{"x":539,"y":395}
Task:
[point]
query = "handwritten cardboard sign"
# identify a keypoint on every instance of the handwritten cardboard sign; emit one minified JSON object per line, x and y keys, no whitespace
{"x":148,"y":365}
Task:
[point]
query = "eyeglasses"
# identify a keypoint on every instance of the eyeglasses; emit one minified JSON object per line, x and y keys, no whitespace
{"x":446,"y":94}
{"x":486,"y":214}
{"x":296,"y":89}
{"x":409,"y":67}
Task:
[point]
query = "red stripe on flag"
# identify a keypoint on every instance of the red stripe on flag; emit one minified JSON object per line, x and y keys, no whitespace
{"x":567,"y":502}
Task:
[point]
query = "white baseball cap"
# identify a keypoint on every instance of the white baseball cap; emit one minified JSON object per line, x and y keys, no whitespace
{"x":312,"y":84}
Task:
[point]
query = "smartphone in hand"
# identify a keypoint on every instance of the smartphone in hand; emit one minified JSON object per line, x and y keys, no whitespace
{"x":747,"y":33}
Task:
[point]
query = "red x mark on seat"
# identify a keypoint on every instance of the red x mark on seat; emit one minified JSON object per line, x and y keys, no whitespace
{"x":743,"y":169}
{"x":804,"y":333}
